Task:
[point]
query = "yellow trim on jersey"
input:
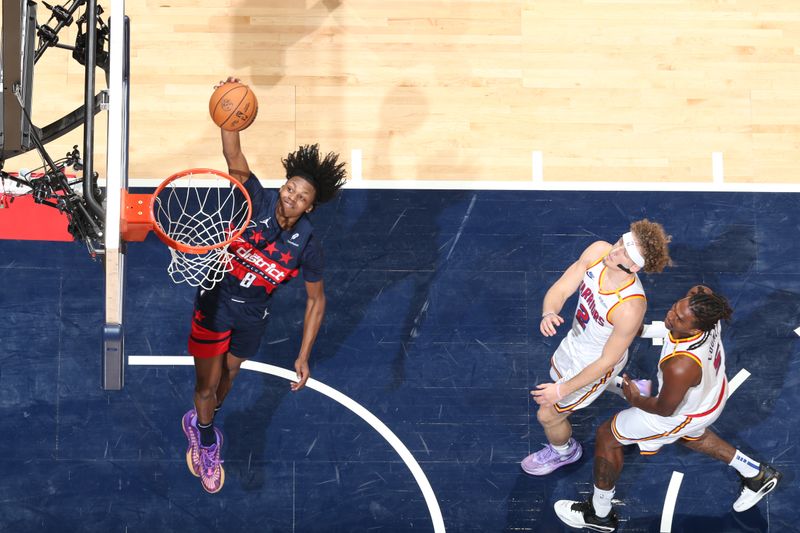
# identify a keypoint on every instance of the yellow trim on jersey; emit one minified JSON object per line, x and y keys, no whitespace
{"x":596,"y":262}
{"x":616,"y":291}
{"x":690,"y":355}
{"x":620,"y":437}
{"x":580,"y":400}
{"x":687,"y":339}
{"x":622,"y":300}
{"x":642,"y":452}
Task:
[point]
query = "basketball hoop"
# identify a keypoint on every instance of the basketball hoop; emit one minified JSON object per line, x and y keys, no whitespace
{"x":197,"y":213}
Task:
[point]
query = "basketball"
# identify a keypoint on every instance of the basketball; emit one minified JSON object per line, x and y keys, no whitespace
{"x":233,"y":106}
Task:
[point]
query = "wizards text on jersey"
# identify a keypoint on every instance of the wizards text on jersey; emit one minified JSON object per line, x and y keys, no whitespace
{"x":587,"y":296}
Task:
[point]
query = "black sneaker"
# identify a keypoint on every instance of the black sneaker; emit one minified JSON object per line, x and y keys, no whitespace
{"x":755,"y":488}
{"x":581,"y":514}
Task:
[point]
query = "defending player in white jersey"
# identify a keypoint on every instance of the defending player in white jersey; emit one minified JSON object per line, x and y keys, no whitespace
{"x":693,"y":390}
{"x":611,"y":307}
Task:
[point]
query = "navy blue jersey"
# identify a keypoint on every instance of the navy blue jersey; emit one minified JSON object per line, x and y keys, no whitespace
{"x":265,"y":255}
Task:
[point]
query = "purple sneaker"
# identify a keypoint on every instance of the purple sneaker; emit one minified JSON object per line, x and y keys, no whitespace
{"x":547,"y":459}
{"x":212,"y":475}
{"x":189,"y":425}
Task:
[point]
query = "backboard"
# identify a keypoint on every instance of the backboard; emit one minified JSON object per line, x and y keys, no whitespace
{"x":116,"y":182}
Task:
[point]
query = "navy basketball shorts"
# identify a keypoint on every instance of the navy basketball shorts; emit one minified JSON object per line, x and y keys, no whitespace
{"x":223,"y":323}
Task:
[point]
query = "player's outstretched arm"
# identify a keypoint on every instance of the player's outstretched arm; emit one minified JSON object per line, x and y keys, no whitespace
{"x":315,"y":311}
{"x":232,"y":148}
{"x":566,"y":285}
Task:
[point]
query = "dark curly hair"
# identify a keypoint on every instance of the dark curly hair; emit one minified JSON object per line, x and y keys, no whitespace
{"x":327,"y":176}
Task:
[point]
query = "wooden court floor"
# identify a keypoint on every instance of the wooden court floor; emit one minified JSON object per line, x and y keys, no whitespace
{"x":634,"y":90}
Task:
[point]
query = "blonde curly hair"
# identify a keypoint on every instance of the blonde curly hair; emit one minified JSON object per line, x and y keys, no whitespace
{"x":654,"y":242}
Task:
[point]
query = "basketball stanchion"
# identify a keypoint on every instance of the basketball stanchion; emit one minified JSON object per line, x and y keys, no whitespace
{"x":197,"y":213}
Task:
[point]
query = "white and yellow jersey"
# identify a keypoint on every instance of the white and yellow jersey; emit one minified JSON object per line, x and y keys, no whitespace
{"x":594,"y":313}
{"x":706,"y":350}
{"x":591,"y":328}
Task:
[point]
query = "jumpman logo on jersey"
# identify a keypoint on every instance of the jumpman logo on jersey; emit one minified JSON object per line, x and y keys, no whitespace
{"x":266,"y":221}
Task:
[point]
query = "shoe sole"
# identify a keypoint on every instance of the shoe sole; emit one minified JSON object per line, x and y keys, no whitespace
{"x":189,"y":462}
{"x":575,"y":460}
{"x":189,"y":450}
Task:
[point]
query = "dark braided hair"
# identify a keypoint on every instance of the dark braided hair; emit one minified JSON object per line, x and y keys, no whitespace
{"x":327,"y":176}
{"x":708,"y":309}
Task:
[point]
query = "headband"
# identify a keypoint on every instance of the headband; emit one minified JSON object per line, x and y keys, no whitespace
{"x":632,"y":249}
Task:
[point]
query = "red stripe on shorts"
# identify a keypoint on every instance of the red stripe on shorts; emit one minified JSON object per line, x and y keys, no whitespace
{"x":205,"y":343}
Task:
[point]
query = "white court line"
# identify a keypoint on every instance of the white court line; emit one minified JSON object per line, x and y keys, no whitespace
{"x":530,"y":185}
{"x":717,"y":167}
{"x":536,"y":165}
{"x":669,"y":502}
{"x":675,"y":482}
{"x":369,"y":418}
{"x":356,"y":167}
{"x":797,"y":331}
{"x":737,"y":380}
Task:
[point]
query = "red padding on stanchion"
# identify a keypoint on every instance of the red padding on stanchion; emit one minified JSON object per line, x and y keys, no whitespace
{"x":26,"y":220}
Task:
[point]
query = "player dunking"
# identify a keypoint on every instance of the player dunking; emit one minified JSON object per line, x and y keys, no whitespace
{"x":611,"y":306}
{"x":692,"y":394}
{"x":230,"y":320}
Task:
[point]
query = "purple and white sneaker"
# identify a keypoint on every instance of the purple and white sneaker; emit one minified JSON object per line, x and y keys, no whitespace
{"x":212,"y":475}
{"x":189,"y":425}
{"x":548,"y":459}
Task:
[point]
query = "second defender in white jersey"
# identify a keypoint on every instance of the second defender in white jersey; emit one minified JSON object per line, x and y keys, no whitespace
{"x":611,"y":307}
{"x":691,"y":396}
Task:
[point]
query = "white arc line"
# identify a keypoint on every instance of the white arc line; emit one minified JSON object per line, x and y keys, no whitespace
{"x":369,"y":418}
{"x":669,"y":502}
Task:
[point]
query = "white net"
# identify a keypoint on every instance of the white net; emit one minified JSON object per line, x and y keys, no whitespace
{"x":199,"y":213}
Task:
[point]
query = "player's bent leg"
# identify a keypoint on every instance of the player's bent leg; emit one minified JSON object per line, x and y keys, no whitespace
{"x":208,"y":371}
{"x":608,"y":457}
{"x":230,"y":369}
{"x":561,"y":449}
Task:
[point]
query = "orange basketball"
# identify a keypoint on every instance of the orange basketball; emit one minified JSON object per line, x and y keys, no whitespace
{"x":233,"y":106}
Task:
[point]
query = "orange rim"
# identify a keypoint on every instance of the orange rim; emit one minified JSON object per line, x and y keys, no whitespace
{"x":172,"y":243}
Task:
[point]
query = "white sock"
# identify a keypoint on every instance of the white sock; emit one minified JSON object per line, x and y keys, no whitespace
{"x":563,"y":449}
{"x":601,"y":501}
{"x":744,"y":465}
